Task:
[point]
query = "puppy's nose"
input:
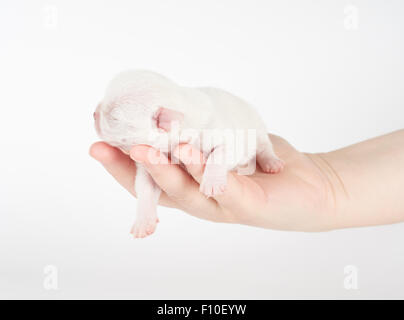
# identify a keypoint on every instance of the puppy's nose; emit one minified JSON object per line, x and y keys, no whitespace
{"x":95,"y":115}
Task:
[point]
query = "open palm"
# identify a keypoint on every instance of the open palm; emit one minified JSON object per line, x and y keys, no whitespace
{"x":299,"y":198}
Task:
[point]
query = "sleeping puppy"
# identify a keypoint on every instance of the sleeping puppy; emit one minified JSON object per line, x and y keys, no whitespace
{"x":142,"y":107}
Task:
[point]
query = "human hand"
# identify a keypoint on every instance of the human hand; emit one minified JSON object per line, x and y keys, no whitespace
{"x":302,"y":197}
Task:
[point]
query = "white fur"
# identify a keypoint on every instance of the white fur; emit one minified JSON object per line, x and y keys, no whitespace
{"x":125,"y":118}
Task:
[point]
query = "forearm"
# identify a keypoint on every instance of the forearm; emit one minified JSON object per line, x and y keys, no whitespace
{"x":368,"y":181}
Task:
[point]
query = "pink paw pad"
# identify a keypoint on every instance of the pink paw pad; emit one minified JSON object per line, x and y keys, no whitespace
{"x":273,"y":165}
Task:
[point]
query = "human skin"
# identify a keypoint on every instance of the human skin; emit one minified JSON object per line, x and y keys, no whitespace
{"x":360,"y":185}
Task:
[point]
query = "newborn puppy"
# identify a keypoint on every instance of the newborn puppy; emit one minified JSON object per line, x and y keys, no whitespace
{"x":142,"y":107}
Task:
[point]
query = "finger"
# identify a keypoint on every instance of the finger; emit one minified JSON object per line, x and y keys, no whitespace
{"x":121,"y":167}
{"x":193,"y":159}
{"x":177,"y":184}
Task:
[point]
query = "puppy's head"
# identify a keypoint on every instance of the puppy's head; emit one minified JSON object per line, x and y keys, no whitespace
{"x":137,"y":109}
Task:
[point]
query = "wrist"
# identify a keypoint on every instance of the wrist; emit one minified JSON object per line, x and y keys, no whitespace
{"x":336,"y":197}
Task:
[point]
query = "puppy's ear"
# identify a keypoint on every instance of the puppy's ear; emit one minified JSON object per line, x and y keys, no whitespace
{"x":164,"y":117}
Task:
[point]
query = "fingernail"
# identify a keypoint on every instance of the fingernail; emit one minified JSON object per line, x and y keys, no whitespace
{"x":139,"y":153}
{"x":137,"y":158}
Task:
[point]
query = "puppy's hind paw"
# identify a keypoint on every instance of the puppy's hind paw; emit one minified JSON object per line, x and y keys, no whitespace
{"x":272,"y":165}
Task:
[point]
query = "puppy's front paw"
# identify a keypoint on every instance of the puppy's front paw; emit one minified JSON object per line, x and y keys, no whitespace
{"x":212,"y":186}
{"x":144,"y":227}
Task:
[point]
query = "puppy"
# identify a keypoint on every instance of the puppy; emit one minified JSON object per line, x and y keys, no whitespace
{"x":143,"y":107}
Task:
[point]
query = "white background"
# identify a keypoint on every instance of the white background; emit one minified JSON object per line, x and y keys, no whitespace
{"x":315,"y":82}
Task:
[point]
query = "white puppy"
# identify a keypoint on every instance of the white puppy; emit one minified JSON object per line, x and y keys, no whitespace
{"x":142,"y":107}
